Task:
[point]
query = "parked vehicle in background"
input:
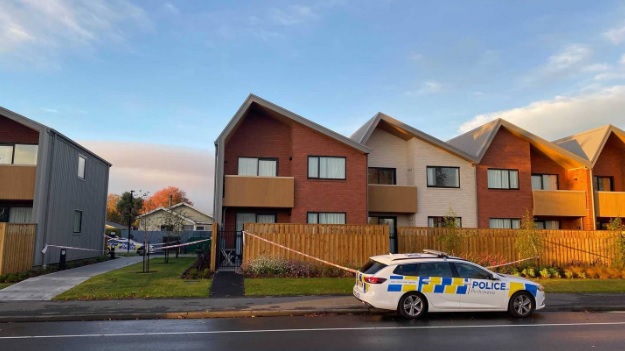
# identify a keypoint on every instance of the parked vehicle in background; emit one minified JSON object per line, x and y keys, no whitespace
{"x":414,"y":284}
{"x":121,"y":245}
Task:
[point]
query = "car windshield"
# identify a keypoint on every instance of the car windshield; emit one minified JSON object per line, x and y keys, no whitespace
{"x":372,"y":267}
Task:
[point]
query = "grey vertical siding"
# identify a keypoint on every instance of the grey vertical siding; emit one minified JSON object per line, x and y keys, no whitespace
{"x":66,"y":192}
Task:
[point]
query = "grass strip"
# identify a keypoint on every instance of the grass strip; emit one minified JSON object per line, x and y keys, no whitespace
{"x":583,"y":285}
{"x":298,"y":286}
{"x":130,"y":282}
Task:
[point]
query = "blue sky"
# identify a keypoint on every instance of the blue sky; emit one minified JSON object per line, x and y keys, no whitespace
{"x":150,"y":84}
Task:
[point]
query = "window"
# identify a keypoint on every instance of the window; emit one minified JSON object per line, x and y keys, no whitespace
{"x":601,"y":183}
{"x":262,"y":167}
{"x":4,"y":214}
{"x":547,"y":224}
{"x":439,"y":221}
{"x":544,"y":182}
{"x":77,"y":221}
{"x":503,"y":179}
{"x":470,"y":271}
{"x":18,"y":154}
{"x":20,"y":214}
{"x":326,"y":218}
{"x":322,"y":167}
{"x":252,"y":217}
{"x":505,"y":223}
{"x":407,"y":269}
{"x":372,"y":267}
{"x":187,"y":227}
{"x":443,"y":177}
{"x":199,"y":227}
{"x":167,"y":228}
{"x":81,"y":166}
{"x":381,"y":175}
{"x":435,"y":269}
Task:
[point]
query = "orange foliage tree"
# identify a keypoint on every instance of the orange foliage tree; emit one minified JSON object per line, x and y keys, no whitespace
{"x":112,"y":215}
{"x":161,"y":198}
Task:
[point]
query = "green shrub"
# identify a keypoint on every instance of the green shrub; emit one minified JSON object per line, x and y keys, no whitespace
{"x":544,"y":273}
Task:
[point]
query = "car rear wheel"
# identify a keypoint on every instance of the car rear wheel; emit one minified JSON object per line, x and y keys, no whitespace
{"x":412,"y":306}
{"x":521,"y":305}
{"x":140,"y":251}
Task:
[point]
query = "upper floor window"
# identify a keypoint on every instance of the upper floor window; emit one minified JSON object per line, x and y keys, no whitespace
{"x":503,"y":179}
{"x":544,"y":182}
{"x":18,"y":154}
{"x":505,"y":223}
{"x":603,"y":183}
{"x":440,"y":222}
{"x":254,"y":166}
{"x":82,"y":162}
{"x":325,"y":167}
{"x":379,"y":175}
{"x":326,"y":218}
{"x":443,"y":177}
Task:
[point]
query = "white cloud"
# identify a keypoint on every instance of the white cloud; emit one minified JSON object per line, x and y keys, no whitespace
{"x":568,"y":58}
{"x":616,"y":35}
{"x":33,"y":28}
{"x":293,"y":15}
{"x":429,"y":87}
{"x":151,"y":167}
{"x":562,"y":116}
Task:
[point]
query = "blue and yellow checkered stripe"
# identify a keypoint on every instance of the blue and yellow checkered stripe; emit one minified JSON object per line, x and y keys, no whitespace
{"x":436,"y":285}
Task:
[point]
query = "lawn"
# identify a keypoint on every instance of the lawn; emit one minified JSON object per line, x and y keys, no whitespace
{"x":298,"y":286}
{"x":163,"y":281}
{"x":4,"y":285}
{"x":583,"y":285}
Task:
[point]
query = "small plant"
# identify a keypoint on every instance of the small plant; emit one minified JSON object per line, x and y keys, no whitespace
{"x":568,"y":273}
{"x":451,"y":239}
{"x":554,"y":272}
{"x":528,"y":241}
{"x":544,"y":273}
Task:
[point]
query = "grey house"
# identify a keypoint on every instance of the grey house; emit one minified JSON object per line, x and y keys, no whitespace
{"x":52,"y":181}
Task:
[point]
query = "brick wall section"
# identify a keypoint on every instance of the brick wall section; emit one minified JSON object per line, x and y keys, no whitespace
{"x":611,"y":162}
{"x":260,"y":135}
{"x":505,"y":152}
{"x":576,"y":179}
{"x":13,"y":132}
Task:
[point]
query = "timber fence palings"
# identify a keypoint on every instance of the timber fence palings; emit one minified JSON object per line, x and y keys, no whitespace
{"x":17,"y":245}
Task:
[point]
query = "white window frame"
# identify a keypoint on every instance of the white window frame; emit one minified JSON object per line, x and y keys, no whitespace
{"x":502,"y":179}
{"x":257,"y":168}
{"x":82,"y":166}
{"x":318,"y":167}
{"x":507,"y":223}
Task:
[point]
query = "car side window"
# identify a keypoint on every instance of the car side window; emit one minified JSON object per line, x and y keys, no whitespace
{"x":435,"y":269}
{"x":407,"y":269}
{"x":470,"y":271}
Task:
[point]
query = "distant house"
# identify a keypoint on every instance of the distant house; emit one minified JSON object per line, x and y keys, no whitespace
{"x":182,"y":217}
{"x":52,"y":181}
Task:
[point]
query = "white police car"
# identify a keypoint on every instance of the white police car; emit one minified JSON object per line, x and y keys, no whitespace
{"x":413,"y":284}
{"x":120,"y":245}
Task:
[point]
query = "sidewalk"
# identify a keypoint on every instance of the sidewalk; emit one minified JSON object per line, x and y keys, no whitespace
{"x":30,"y":301}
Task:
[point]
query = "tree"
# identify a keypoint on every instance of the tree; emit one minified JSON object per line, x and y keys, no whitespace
{"x":451,"y":238}
{"x":528,"y":240}
{"x":123,"y":207}
{"x":112,"y":214}
{"x":161,"y":198}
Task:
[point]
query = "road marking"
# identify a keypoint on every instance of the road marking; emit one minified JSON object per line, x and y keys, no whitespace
{"x":307,"y":330}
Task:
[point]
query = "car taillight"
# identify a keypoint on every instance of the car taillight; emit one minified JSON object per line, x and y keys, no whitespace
{"x":375,"y":280}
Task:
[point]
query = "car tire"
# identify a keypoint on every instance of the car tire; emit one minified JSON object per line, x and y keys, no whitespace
{"x":521,"y":305}
{"x":140,"y":252}
{"x":412,"y":305}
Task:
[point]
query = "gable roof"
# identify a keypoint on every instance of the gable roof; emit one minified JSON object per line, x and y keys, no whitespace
{"x":590,"y":143}
{"x":267,"y":105}
{"x":25,"y":121}
{"x":477,"y":141}
{"x":405,"y":132}
{"x":176,"y":213}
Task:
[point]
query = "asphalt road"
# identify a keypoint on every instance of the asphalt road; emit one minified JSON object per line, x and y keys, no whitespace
{"x":546,"y":331}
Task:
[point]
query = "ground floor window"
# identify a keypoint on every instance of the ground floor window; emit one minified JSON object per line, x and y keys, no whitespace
{"x":439,"y":221}
{"x":4,"y":214}
{"x":539,"y":224}
{"x":505,"y":223}
{"x":77,"y":221}
{"x":326,"y":218}
{"x":254,"y":217}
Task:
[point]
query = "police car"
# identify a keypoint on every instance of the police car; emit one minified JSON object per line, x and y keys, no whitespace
{"x":413,"y":284}
{"x":120,"y":245}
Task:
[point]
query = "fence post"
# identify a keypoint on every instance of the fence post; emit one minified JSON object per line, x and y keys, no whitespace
{"x":213,"y":247}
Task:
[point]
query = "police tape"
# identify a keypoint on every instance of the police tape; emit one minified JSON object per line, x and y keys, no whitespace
{"x":45,"y":248}
{"x":514,"y":262}
{"x":181,"y":245}
{"x":299,"y":252}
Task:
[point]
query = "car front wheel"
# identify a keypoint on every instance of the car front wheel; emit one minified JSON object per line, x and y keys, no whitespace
{"x":521,"y":305}
{"x":412,"y":306}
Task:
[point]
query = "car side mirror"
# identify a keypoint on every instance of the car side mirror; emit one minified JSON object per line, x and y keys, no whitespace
{"x":494,"y":277}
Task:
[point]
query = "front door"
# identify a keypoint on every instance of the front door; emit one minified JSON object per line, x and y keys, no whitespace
{"x":483,"y":292}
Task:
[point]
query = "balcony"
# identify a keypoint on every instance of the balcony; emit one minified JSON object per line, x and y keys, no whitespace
{"x":17,"y":182}
{"x":270,"y":192}
{"x":565,"y":203}
{"x":392,"y":198}
{"x":610,"y":203}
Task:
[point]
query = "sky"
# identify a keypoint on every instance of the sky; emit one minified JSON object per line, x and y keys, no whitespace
{"x":149,"y":85}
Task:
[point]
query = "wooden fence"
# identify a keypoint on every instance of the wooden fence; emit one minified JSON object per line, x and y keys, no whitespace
{"x":17,"y":245}
{"x":558,"y":246}
{"x":347,"y":245}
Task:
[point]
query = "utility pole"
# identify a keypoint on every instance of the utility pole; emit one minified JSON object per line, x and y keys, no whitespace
{"x":129,"y":221}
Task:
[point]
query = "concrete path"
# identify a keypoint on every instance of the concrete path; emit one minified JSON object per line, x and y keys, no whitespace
{"x":45,"y":287}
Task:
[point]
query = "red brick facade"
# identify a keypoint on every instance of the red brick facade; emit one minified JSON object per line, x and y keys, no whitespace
{"x":505,"y":152}
{"x":611,"y":162}
{"x":262,"y":135}
{"x":13,"y":132}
